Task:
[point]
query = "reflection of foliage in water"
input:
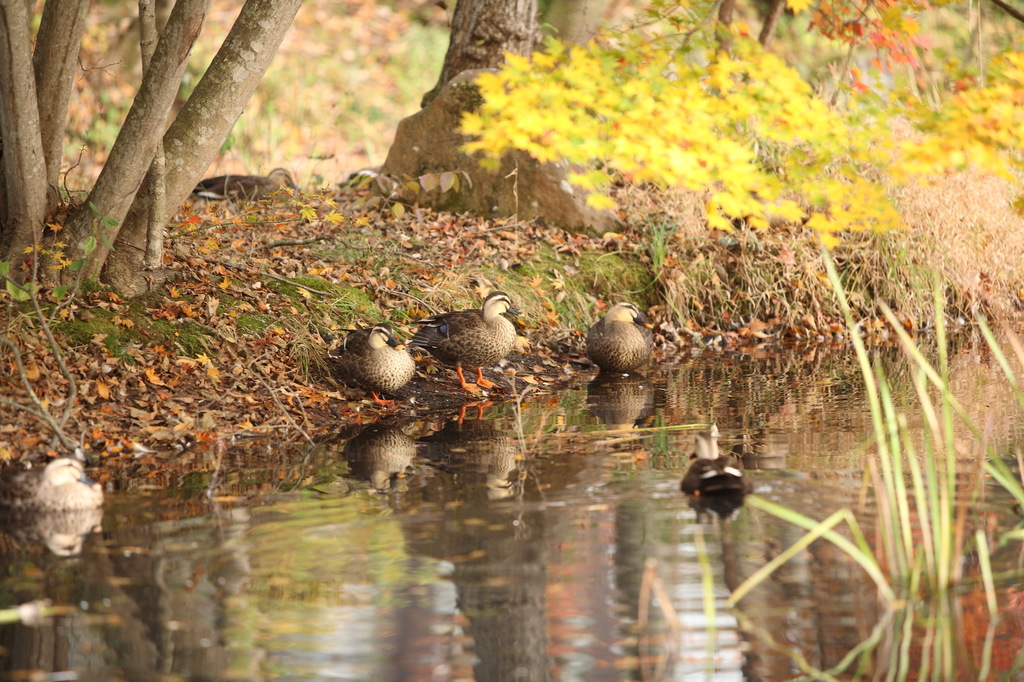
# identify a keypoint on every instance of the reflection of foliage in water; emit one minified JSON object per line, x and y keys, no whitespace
{"x":329,"y":553}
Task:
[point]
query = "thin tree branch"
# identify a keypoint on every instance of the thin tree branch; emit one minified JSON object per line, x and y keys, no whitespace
{"x":1015,"y":13}
{"x":292,"y":242}
{"x":426,"y":306}
{"x":40,"y":412}
{"x":273,"y":396}
{"x":771,"y":22}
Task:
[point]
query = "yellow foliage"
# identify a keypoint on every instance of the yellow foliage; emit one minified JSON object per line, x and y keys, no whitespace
{"x":982,"y":126}
{"x":745,"y":128}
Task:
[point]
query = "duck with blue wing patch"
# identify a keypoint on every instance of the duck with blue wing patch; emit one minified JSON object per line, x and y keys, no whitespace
{"x":470,"y":339}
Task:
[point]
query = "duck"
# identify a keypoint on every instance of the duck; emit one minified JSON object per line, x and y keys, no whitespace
{"x":61,"y":486}
{"x":712,"y":473}
{"x":374,"y":359}
{"x":247,"y":187}
{"x":622,"y":340}
{"x":470,"y":339}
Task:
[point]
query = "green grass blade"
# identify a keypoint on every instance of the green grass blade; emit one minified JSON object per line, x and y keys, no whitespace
{"x":1000,"y":356}
{"x":860,"y":553}
{"x":707,"y":584}
{"x":985,"y":563}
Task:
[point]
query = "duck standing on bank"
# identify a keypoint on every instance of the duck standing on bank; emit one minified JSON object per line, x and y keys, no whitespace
{"x":470,"y":339}
{"x":375,"y":360}
{"x":622,"y":340}
{"x":61,"y":486}
{"x":712,"y":473}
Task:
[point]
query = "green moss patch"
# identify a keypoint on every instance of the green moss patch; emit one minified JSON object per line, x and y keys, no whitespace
{"x":119,"y":332}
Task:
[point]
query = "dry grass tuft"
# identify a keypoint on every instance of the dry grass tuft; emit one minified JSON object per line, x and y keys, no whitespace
{"x":960,"y":226}
{"x":977,"y":239}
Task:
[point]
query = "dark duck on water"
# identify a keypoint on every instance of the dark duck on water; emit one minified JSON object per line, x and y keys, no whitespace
{"x":711,"y":472}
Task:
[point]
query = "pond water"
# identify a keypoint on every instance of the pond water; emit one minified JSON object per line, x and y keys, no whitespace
{"x":546,"y":540}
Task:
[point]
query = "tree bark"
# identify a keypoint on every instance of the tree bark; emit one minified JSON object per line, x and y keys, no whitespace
{"x":203,"y":124}
{"x":24,"y":169}
{"x":157,"y":196}
{"x":771,"y":21}
{"x":575,"y":21}
{"x":102,"y":214}
{"x":482,"y":31}
{"x":725,"y":14}
{"x":55,"y":61}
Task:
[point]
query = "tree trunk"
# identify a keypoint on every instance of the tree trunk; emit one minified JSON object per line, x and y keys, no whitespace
{"x":198,"y":131}
{"x":157,"y":196}
{"x":429,"y":141}
{"x":725,"y":14}
{"x":102,"y":214}
{"x":575,"y":21}
{"x":56,"y":61}
{"x":24,"y":168}
{"x":771,"y":21}
{"x":482,"y":32}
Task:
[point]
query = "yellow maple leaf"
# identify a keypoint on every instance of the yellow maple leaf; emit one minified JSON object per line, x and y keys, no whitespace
{"x":798,"y":6}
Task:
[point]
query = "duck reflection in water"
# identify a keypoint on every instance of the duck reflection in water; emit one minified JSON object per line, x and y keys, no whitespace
{"x":621,"y":402}
{"x":63,"y":532}
{"x":57,"y":505}
{"x":380,"y":453}
{"x":714,"y":482}
{"x":473,"y":448}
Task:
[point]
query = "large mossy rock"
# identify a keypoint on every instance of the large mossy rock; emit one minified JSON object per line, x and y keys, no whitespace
{"x":428,"y":142}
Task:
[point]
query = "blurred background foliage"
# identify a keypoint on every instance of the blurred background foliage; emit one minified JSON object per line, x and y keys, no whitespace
{"x":349,"y":70}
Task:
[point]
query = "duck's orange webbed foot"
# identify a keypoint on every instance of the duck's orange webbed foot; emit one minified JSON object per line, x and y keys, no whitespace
{"x":480,"y":381}
{"x":472,"y":388}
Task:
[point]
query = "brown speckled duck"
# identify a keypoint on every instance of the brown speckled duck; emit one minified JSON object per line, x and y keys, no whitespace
{"x":247,"y":187}
{"x":375,"y":360}
{"x":61,"y":486}
{"x":712,"y":473}
{"x":470,"y":338}
{"x":621,"y":341}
